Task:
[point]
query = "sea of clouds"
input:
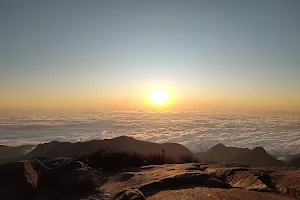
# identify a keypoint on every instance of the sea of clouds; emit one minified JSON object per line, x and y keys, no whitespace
{"x":279,"y":134}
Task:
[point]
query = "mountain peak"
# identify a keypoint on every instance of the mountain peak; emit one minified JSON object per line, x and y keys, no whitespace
{"x":124,"y":137}
{"x":220,"y":145}
{"x":118,"y":144}
{"x":259,"y":150}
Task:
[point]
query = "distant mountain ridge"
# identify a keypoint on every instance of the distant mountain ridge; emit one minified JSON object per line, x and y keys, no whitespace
{"x":226,"y":155}
{"x":289,"y":158}
{"x":219,"y":153}
{"x":8,"y":154}
{"x":118,"y":144}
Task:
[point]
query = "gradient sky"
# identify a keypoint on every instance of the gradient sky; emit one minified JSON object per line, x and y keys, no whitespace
{"x":112,"y":54}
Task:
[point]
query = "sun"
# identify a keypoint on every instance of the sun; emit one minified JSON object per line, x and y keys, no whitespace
{"x":159,"y":97}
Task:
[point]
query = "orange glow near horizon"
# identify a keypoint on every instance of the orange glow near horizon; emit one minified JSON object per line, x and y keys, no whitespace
{"x":147,"y":96}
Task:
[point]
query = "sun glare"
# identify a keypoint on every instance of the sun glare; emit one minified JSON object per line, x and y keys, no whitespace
{"x":159,"y":97}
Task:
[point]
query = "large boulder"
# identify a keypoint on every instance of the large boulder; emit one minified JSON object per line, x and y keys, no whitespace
{"x":50,"y":179}
{"x":67,"y":179}
{"x":18,"y":181}
{"x":247,"y":180}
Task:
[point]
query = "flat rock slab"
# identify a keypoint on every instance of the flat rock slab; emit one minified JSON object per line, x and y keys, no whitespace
{"x":216,"y":194}
{"x":146,"y":175}
{"x":200,"y":181}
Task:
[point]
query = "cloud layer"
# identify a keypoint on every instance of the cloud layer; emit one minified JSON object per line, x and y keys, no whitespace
{"x":278,"y":134}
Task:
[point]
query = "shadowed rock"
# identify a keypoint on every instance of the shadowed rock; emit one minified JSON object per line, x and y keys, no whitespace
{"x":54,"y":162}
{"x":195,"y":167}
{"x":68,"y":178}
{"x":216,"y":183}
{"x":125,"y":176}
{"x":247,"y":180}
{"x":286,"y":182}
{"x":186,"y":180}
{"x":130,"y":194}
{"x":18,"y":181}
{"x":48,"y":180}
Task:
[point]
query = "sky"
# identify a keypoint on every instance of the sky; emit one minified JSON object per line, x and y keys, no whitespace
{"x":110,"y":55}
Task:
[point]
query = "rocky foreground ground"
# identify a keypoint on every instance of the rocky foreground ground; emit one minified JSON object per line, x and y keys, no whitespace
{"x":63,"y":178}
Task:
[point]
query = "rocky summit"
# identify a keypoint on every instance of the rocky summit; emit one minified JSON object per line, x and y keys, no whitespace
{"x":202,"y":181}
{"x":70,"y":179}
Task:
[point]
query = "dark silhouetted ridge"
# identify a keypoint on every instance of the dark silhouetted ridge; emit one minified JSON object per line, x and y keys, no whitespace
{"x":219,"y":146}
{"x":226,"y":155}
{"x":8,"y":154}
{"x":259,"y":150}
{"x":119,"y":144}
{"x":258,"y":156}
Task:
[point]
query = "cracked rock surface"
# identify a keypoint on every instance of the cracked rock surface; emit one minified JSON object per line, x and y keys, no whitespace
{"x":70,"y":179}
{"x":200,"y":181}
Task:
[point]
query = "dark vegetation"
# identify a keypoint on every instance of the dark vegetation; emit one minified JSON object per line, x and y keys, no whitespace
{"x":110,"y":161}
{"x":295,"y":162}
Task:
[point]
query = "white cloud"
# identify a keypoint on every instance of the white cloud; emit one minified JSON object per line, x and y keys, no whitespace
{"x":196,"y":130}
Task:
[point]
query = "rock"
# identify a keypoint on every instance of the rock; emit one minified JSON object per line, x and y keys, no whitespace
{"x":149,"y":167}
{"x":216,"y":183}
{"x":186,"y":181}
{"x":125,"y":176}
{"x":197,"y":179}
{"x":129,"y":194}
{"x":203,"y":193}
{"x":48,"y":180}
{"x":54,"y":162}
{"x":18,"y":181}
{"x":39,"y":166}
{"x":100,"y":196}
{"x":195,"y":167}
{"x":287,"y":182}
{"x":68,"y":178}
{"x":247,"y":180}
{"x":152,"y":188}
{"x":175,"y":182}
{"x":222,"y":173}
